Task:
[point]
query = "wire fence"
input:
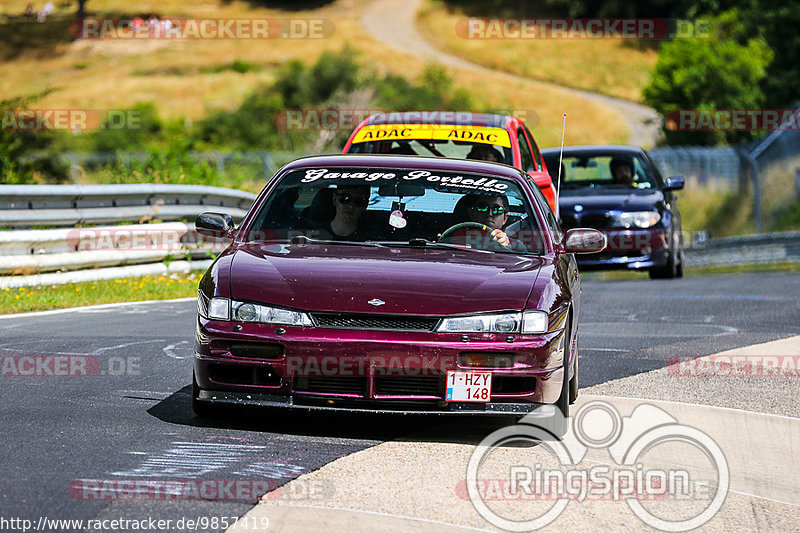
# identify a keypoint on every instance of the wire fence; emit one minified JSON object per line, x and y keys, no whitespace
{"x":767,"y":171}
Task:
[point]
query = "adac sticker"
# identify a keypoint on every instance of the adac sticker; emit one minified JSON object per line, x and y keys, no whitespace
{"x":394,"y":132}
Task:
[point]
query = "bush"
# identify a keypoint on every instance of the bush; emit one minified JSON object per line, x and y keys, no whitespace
{"x":717,"y":72}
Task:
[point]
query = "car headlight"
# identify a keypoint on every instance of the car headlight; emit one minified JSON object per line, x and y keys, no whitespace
{"x":527,"y":322}
{"x":637,"y":219}
{"x":263,"y":314}
{"x":226,"y":309}
{"x":219,"y":308}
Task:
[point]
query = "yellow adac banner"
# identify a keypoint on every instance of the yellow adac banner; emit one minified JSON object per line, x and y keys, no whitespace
{"x":397,"y":132}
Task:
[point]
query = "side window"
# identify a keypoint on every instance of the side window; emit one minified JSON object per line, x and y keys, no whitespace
{"x":525,"y":151}
{"x":536,"y":154}
{"x":549,"y":217}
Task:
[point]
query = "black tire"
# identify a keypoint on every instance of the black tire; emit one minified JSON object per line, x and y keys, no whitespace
{"x":201,"y":409}
{"x":668,"y":271}
{"x":573,"y":382}
{"x":561,"y":420}
{"x":679,"y":273}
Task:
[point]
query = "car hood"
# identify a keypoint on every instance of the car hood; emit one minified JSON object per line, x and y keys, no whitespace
{"x":341,"y":278}
{"x":611,"y":199}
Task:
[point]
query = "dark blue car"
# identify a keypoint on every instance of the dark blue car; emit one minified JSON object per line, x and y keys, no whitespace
{"x":618,"y":190}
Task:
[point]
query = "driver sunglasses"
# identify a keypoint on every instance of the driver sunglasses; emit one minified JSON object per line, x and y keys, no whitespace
{"x":356,"y":200}
{"x":494,"y":210}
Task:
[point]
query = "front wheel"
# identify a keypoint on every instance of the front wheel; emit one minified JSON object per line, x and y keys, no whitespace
{"x":668,"y":271}
{"x":561,"y":420}
{"x":201,"y":409}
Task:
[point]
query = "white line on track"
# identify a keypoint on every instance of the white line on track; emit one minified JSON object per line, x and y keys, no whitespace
{"x":90,"y":308}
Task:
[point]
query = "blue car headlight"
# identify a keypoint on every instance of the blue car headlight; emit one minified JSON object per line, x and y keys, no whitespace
{"x":637,"y":219}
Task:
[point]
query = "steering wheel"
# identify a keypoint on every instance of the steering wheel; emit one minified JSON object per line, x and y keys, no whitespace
{"x":486,"y":230}
{"x":446,"y":234}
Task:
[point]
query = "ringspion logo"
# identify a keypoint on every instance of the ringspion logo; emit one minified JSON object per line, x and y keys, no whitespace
{"x":547,"y":484}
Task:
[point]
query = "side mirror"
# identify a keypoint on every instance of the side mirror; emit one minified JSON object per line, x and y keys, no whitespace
{"x":674,"y":183}
{"x":217,"y":225}
{"x":583,"y":241}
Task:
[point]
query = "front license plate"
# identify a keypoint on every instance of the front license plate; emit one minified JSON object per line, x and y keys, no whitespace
{"x":469,"y":386}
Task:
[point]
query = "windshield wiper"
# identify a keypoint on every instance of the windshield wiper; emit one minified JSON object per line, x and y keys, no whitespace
{"x":421,"y":242}
{"x":302,"y":239}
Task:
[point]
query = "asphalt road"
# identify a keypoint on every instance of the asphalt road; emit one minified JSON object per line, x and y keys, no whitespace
{"x":69,"y":440}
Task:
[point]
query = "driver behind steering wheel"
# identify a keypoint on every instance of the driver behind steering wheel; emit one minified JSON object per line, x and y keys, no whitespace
{"x":491,"y":211}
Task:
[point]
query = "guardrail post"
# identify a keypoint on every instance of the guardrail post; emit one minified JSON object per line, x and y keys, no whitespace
{"x":74,"y":169}
{"x":797,"y":183}
{"x":756,"y":189}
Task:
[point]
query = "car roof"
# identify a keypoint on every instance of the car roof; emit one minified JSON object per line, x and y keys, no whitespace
{"x":594,"y":149}
{"x":464,"y":118}
{"x":406,"y":162}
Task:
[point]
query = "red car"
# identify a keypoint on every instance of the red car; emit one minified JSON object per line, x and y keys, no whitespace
{"x":456,"y":134}
{"x":413,"y":308}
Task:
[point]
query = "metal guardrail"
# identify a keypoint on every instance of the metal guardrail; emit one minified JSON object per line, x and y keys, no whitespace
{"x":66,"y":254}
{"x":70,"y":205}
{"x":758,"y":249}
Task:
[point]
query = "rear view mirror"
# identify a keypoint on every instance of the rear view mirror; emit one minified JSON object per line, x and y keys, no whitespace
{"x":218,"y":225}
{"x":674,"y":183}
{"x":584,"y":241}
{"x":401,"y":189}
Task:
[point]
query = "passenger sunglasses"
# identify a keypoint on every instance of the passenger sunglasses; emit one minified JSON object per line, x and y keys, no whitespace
{"x":358,"y":201}
{"x":495,"y":209}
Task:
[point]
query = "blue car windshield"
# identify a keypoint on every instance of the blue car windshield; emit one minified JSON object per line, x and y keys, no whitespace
{"x":601,"y":170}
{"x":399,"y":206}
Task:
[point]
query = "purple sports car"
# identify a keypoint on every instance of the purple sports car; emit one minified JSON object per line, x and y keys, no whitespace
{"x":392,"y":284}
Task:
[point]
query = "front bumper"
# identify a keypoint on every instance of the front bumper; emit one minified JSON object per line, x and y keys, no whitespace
{"x":629,"y":249}
{"x":385,"y":407}
{"x":375,"y":371}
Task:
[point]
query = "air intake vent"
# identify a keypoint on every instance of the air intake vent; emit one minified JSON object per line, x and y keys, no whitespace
{"x":377,"y":322}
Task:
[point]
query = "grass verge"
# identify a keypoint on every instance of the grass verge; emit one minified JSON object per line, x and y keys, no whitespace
{"x":691,"y":272}
{"x":42,"y":298}
{"x":609,"y":66}
{"x":27,"y":299}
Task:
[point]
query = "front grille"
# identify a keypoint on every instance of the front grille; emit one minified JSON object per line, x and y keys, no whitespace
{"x":596,"y":220}
{"x":409,"y":386}
{"x":331,"y":385}
{"x":377,"y":322}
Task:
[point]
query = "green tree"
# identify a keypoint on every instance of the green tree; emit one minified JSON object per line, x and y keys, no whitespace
{"x":717,"y":72}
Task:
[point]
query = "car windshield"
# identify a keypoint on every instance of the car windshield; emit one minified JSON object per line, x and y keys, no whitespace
{"x":618,"y":170}
{"x":456,"y":150}
{"x":409,"y":207}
